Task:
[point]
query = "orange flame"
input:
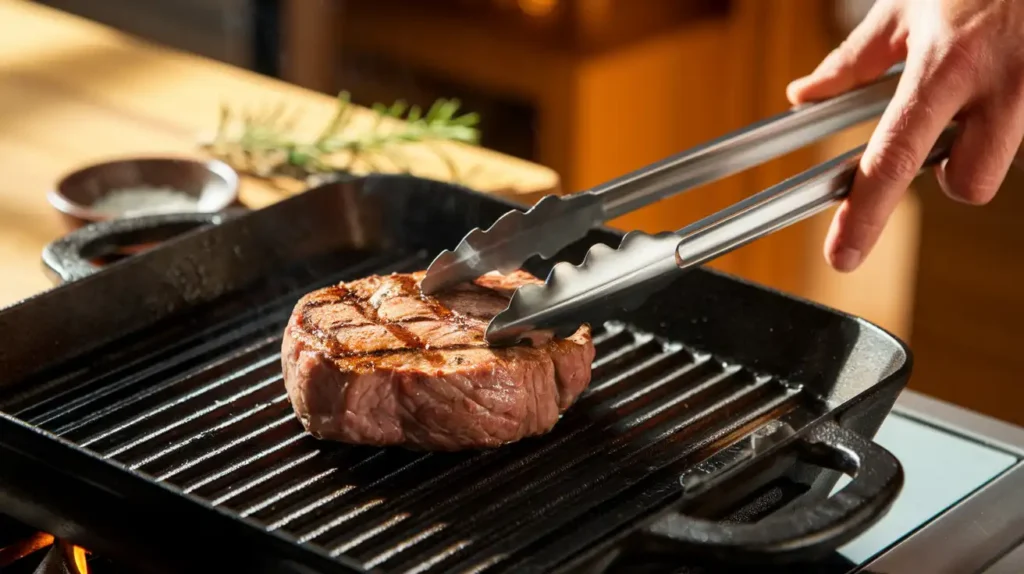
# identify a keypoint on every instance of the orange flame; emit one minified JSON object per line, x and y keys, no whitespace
{"x":22,"y":548}
{"x":74,"y":556}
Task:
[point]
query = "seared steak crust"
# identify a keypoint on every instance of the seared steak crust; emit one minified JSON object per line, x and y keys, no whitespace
{"x":374,"y":361}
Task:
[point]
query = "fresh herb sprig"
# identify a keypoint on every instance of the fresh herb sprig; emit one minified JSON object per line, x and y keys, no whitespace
{"x":262,"y":144}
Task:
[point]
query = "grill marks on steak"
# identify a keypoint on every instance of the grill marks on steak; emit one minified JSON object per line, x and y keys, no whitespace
{"x":374,"y":361}
{"x":386,"y":315}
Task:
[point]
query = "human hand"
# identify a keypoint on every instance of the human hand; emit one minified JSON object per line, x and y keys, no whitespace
{"x":964,"y":61}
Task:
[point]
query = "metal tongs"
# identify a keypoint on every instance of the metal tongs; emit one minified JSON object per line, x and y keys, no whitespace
{"x":610,"y":280}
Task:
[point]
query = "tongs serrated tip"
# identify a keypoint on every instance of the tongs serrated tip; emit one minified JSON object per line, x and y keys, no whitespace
{"x":515,"y":237}
{"x":595,"y":288}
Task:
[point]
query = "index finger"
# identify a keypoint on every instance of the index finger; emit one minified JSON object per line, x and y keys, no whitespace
{"x":929,"y":95}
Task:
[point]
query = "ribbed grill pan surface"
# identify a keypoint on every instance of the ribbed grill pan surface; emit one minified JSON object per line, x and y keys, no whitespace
{"x":200,"y":405}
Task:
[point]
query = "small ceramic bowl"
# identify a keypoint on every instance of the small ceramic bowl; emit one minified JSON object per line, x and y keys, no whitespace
{"x":142,"y":186}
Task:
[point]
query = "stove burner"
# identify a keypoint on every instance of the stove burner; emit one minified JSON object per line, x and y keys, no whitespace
{"x":62,"y":558}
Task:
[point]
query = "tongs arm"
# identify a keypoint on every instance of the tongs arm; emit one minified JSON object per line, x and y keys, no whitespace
{"x":557,"y":221}
{"x":779,"y":206}
{"x":611,"y":281}
{"x":747,"y":147}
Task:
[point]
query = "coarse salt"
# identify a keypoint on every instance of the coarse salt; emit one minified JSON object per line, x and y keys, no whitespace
{"x":135,"y":201}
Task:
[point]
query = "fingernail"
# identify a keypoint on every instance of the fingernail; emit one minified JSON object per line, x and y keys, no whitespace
{"x":846,"y":259}
{"x":940,"y":178}
{"x":943,"y":181}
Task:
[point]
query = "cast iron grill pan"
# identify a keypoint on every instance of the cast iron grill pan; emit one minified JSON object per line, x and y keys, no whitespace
{"x":196,"y":401}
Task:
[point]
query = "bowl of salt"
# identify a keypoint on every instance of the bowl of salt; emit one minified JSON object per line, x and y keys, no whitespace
{"x":144,"y":186}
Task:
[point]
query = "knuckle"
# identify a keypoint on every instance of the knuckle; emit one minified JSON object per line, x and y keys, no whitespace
{"x":860,"y":226}
{"x":963,"y":56}
{"x":895,"y":162}
{"x":842,"y":59}
{"x":863,"y":230}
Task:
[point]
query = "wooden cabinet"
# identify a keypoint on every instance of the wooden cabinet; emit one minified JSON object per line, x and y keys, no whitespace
{"x":967,"y":334}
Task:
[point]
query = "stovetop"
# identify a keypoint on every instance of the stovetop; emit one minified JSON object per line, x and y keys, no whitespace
{"x":961,"y":508}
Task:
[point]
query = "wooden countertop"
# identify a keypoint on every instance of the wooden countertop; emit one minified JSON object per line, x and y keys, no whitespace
{"x":74,"y":92}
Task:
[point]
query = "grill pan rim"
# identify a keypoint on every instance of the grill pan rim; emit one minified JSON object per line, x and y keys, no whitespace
{"x":897,"y":372}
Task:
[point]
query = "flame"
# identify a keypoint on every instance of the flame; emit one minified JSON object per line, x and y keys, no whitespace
{"x":75,"y":557}
{"x":22,"y":548}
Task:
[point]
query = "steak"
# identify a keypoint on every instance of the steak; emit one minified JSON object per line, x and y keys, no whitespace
{"x":376,"y":362}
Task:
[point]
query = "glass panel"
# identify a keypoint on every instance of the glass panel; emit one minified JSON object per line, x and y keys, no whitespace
{"x":941,"y":468}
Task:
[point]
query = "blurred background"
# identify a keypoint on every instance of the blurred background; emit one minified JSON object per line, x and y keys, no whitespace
{"x":596,"y":88}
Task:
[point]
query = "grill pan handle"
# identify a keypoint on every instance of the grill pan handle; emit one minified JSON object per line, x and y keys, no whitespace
{"x":805,"y":533}
{"x":71,"y":257}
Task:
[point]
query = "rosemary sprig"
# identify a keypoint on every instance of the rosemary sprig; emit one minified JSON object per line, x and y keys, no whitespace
{"x":264,"y":146}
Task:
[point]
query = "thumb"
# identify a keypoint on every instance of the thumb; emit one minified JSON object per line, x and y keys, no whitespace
{"x":874,"y":46}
